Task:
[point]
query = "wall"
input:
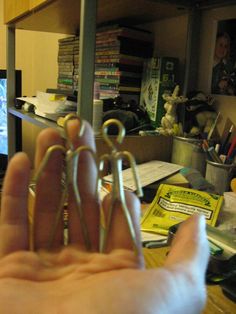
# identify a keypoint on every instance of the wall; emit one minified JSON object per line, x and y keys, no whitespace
{"x":170,"y":39}
{"x":226,"y":104}
{"x":36,"y":56}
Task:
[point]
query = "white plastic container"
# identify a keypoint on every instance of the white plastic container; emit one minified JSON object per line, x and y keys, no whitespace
{"x":97,"y":115}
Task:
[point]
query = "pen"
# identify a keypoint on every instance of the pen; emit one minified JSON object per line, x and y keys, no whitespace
{"x":227,"y":140}
{"x":155,"y":243}
{"x":232,"y":159}
{"x":214,"y":155}
{"x":232,"y":147}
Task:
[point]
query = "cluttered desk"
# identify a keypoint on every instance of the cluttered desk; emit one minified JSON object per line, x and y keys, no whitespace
{"x":168,"y":207}
{"x":156,"y":245}
{"x":170,"y":196}
{"x":175,"y":192}
{"x":155,"y":248}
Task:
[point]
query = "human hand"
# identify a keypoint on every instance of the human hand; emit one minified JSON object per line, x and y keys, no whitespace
{"x":71,"y":280}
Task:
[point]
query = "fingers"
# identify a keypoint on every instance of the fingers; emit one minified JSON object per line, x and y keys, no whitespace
{"x":87,"y":176}
{"x":119,"y":234}
{"x":190,"y":246}
{"x":48,"y":190}
{"x":14,"y":214}
{"x":48,"y":198}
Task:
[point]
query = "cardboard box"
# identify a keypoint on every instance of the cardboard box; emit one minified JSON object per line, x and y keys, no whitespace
{"x":159,"y":77}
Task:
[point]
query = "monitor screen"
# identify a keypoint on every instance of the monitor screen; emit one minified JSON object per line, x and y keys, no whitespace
{"x":3,"y":116}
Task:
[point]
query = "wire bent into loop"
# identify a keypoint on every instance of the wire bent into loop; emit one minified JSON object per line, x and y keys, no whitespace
{"x":120,"y":135}
{"x":72,"y":176}
{"x":46,"y":158}
{"x":71,"y":160}
{"x":115,"y":159}
{"x":73,"y":116}
{"x":71,"y":173}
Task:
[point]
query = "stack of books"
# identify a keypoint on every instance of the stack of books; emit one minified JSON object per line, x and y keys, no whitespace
{"x":120,"y":53}
{"x":67,"y":54}
{"x":76,"y":63}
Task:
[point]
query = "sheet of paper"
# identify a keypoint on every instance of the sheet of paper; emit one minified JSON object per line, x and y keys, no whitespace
{"x":230,"y":202}
{"x":103,"y":192}
{"x":148,"y":172}
{"x":227,"y":218}
{"x":47,"y":103}
{"x":29,"y":100}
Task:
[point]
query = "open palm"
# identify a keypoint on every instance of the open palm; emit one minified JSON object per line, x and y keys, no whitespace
{"x":72,"y":280}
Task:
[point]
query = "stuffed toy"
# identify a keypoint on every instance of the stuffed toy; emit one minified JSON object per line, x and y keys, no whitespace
{"x":197,"y":114}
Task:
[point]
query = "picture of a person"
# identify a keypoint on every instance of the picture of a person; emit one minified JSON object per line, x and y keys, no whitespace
{"x":223,"y":67}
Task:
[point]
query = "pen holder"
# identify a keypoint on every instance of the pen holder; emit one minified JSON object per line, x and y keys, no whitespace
{"x":219,"y":175}
{"x":188,"y":152}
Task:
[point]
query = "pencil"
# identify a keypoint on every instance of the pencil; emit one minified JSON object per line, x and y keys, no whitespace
{"x":213,"y":127}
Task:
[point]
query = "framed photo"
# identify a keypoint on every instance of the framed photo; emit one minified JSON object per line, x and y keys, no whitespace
{"x":223,"y":80}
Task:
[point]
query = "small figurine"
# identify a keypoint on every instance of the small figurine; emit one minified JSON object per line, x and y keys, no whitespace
{"x":169,"y":123}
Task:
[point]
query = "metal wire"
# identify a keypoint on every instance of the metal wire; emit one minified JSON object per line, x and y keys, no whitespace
{"x":71,"y":155}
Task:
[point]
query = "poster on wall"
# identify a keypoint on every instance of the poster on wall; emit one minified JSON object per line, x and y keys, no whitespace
{"x":223,"y":80}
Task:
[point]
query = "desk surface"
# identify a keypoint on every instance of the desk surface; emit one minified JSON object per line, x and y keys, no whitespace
{"x":217,"y":303}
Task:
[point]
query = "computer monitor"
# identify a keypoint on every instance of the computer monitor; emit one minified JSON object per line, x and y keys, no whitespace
{"x":3,"y":116}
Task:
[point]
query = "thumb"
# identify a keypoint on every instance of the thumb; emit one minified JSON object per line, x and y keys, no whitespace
{"x":190,"y":246}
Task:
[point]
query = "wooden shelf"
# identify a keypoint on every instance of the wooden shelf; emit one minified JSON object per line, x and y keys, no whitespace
{"x":13,"y":8}
{"x":64,"y":16}
{"x":144,"y":148}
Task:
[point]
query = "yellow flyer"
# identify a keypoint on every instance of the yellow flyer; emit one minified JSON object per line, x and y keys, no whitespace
{"x":173,"y":204}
